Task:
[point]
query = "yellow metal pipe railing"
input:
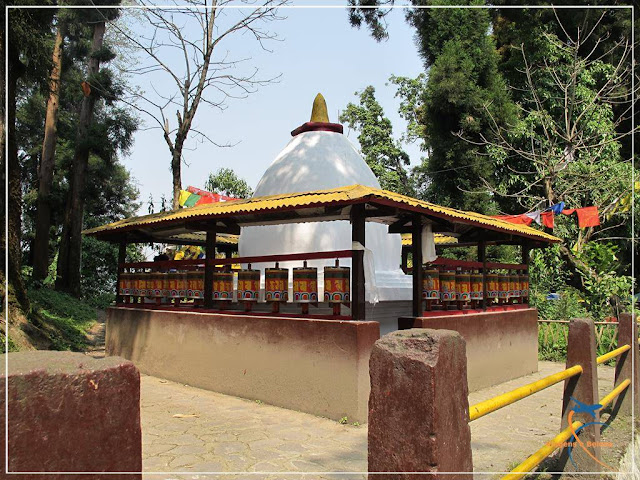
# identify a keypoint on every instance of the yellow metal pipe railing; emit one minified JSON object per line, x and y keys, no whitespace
{"x":534,"y":460}
{"x":491,"y":405}
{"x":612,"y":354}
{"x":614,"y":393}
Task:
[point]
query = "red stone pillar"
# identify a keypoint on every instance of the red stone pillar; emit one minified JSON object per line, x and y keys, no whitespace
{"x":581,"y":350}
{"x":628,"y":366}
{"x":71,"y":413}
{"x":418,"y":406}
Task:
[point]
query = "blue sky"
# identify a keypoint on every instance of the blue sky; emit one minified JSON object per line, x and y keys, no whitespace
{"x":318,"y":52}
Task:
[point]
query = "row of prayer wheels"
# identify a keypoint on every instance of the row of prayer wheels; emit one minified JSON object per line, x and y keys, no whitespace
{"x":448,"y":287}
{"x":180,"y":286}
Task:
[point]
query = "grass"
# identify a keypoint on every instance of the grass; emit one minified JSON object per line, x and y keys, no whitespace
{"x":64,"y":319}
{"x":552,"y":341}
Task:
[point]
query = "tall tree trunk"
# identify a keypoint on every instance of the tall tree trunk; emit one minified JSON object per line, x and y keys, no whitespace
{"x":14,"y":184}
{"x":69,"y":257}
{"x":175,"y":171}
{"x":3,"y":159}
{"x":45,"y":173}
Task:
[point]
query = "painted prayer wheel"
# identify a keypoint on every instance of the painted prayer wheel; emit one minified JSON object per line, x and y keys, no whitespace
{"x":166,"y":290}
{"x":154,"y":284}
{"x":503,"y":286}
{"x":144,"y":283}
{"x":248,"y":285}
{"x":305,"y":284}
{"x":430,"y":284}
{"x":448,"y":286}
{"x":124,"y":288}
{"x":463,"y":288}
{"x":276,"y":284}
{"x":477,"y":291}
{"x":195,"y":285}
{"x":492,"y":286}
{"x":336,"y":284}
{"x":514,"y":285}
{"x":133,"y":288}
{"x":175,"y":282}
{"x":524,"y":286}
{"x":223,"y":286}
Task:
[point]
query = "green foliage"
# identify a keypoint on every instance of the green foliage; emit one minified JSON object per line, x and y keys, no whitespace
{"x":381,"y":151}
{"x":226,"y":182}
{"x":552,"y":341}
{"x":64,"y":318}
{"x":343,"y":421}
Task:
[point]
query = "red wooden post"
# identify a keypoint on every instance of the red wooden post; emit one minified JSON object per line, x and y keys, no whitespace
{"x":416,"y":254}
{"x":357,"y":263}
{"x":122,"y":254}
{"x":210,"y":254}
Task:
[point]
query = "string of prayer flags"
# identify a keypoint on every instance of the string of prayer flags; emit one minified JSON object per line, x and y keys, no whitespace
{"x":587,"y":216}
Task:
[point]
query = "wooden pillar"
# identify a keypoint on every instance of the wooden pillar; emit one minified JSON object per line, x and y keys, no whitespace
{"x":210,"y":255}
{"x":482,"y":257}
{"x":416,"y":253}
{"x":357,"y":263}
{"x":122,"y":254}
{"x":405,"y":259}
{"x":525,"y":254}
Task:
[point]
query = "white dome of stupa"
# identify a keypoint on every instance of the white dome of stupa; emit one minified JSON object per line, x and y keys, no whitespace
{"x":320,"y":157}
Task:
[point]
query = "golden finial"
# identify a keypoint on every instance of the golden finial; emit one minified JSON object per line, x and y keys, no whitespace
{"x":319,"y":111}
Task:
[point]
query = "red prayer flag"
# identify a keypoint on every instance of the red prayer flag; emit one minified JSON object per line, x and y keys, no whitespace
{"x":517,"y":219}
{"x":204,"y":200}
{"x":588,"y":217}
{"x":547,"y":219}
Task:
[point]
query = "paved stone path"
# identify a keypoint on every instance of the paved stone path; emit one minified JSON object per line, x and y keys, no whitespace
{"x":186,"y":429}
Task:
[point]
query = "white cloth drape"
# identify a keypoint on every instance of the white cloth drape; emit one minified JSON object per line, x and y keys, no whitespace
{"x":370,"y":287}
{"x":428,"y":244}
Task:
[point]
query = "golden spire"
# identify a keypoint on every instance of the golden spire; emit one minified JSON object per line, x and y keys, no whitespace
{"x":319,"y":111}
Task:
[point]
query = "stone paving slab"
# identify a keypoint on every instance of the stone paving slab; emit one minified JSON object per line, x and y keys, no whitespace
{"x":229,"y":434}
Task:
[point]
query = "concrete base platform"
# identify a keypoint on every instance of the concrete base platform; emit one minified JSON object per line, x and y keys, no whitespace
{"x":501,"y":345}
{"x":311,"y":365}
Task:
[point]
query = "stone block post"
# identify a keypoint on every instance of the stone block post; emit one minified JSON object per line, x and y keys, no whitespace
{"x":418,"y":406}
{"x":581,"y":350}
{"x":628,"y":366}
{"x":68,"y":412}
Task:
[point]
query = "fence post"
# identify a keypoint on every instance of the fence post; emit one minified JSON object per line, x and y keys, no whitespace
{"x":628,"y":365}
{"x":418,"y":405}
{"x":581,"y":350}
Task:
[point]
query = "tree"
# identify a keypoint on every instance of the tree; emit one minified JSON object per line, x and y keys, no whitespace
{"x":47,"y":162}
{"x":198,"y":35}
{"x":381,"y":151}
{"x":566,"y":143}
{"x":462,"y":62}
{"x":97,"y":84}
{"x":226,"y":182}
{"x":28,"y":34}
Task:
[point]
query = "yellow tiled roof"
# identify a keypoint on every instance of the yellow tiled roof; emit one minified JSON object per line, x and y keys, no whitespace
{"x":348,"y":194}
{"x":438,"y":238}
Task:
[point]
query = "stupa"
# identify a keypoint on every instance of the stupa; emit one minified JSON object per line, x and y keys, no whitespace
{"x":319,"y":156}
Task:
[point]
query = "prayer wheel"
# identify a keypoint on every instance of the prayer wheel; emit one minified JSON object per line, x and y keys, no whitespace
{"x":124,"y":288}
{"x":166,"y":290}
{"x":514,"y":286}
{"x":430,"y":285}
{"x":503,"y":287}
{"x":524,"y":286}
{"x":175,"y":282}
{"x":133,"y":288}
{"x":448,"y":286}
{"x":492,"y":286}
{"x":477,"y":290}
{"x":305,"y":286}
{"x":248,"y":286}
{"x":336,"y":286}
{"x":223,"y":286}
{"x":143,"y":284}
{"x":195,"y":285}
{"x":154,"y":286}
{"x":463,"y":288}
{"x":276,"y":286}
